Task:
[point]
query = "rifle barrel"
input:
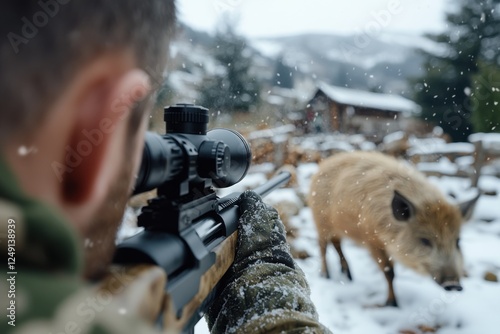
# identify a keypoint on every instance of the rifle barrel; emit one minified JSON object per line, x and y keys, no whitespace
{"x":275,"y":182}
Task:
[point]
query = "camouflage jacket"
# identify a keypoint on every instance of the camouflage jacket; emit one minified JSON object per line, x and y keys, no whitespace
{"x":43,"y":292}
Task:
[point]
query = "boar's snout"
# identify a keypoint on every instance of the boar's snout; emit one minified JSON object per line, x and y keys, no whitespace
{"x":449,"y":277}
{"x":452,"y":286}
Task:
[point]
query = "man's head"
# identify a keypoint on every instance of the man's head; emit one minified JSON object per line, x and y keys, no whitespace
{"x":75,"y":85}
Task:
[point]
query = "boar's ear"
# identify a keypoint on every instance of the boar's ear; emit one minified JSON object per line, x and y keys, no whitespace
{"x":402,"y":209}
{"x":467,"y":207}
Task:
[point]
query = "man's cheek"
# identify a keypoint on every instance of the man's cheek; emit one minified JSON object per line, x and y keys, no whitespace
{"x":100,"y":241}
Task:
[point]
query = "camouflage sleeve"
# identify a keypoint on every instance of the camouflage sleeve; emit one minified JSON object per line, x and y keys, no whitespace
{"x":126,"y":303}
{"x":43,"y":292}
{"x":264,"y":291}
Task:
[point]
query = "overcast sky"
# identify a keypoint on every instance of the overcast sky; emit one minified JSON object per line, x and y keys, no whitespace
{"x":263,"y":18}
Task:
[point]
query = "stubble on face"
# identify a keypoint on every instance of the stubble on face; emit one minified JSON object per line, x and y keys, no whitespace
{"x":99,"y":241}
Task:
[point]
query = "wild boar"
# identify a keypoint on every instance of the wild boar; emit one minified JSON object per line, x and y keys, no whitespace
{"x":391,"y":209}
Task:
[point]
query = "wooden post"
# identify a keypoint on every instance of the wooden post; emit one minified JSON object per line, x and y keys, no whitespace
{"x":280,"y":148}
{"x":478,"y":162}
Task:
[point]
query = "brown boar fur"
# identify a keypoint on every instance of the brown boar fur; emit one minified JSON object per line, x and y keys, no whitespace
{"x":352,"y":196}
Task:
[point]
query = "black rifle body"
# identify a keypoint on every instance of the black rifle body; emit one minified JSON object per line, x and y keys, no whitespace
{"x":188,"y":254}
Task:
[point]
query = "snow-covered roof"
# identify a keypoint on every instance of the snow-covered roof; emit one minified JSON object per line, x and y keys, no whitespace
{"x":371,"y":100}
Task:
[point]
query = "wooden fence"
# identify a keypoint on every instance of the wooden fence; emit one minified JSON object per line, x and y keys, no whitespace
{"x":433,"y":156}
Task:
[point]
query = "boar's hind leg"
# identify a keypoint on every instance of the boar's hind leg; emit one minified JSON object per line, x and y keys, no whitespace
{"x":387,"y":268}
{"x":343,"y":261}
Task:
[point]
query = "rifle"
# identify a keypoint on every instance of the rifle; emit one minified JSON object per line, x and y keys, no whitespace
{"x":188,"y":230}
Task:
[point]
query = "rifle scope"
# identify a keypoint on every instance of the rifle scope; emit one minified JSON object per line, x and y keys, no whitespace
{"x":187,"y":155}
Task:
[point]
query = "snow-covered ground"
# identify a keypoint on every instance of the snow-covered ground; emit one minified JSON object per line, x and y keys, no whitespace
{"x":348,"y":307}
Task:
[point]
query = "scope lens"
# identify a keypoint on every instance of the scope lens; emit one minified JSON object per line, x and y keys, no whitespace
{"x":240,"y":155}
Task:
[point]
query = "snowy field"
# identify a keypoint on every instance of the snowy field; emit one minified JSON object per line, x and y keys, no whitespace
{"x":424,"y":307}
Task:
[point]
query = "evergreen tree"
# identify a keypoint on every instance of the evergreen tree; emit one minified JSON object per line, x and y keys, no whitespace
{"x":445,"y":91}
{"x":486,"y":99}
{"x":234,"y":89}
{"x":283,"y":76}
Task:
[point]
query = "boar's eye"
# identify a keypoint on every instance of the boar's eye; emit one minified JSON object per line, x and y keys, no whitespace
{"x":426,"y":242}
{"x":458,"y":243}
{"x":402,"y":209}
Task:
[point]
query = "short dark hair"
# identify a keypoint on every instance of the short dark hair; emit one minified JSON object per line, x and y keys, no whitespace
{"x":45,"y":42}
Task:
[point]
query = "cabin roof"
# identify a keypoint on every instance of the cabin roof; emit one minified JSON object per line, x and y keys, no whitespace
{"x":360,"y":98}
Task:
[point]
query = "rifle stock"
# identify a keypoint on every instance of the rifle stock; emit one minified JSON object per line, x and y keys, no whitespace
{"x":196,"y":307}
{"x":195,"y":259}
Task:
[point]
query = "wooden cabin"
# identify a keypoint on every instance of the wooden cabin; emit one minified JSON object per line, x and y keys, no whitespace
{"x":349,"y":110}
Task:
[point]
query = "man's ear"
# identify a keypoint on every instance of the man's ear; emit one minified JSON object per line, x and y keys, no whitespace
{"x":96,"y":145}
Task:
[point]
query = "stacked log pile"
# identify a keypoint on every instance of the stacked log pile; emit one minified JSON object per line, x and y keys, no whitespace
{"x":280,"y":146}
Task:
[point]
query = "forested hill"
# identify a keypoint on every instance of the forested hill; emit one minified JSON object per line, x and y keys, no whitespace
{"x":371,"y":62}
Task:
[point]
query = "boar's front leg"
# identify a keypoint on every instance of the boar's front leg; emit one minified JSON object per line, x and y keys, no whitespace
{"x":323,"y":243}
{"x":387,"y":268}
